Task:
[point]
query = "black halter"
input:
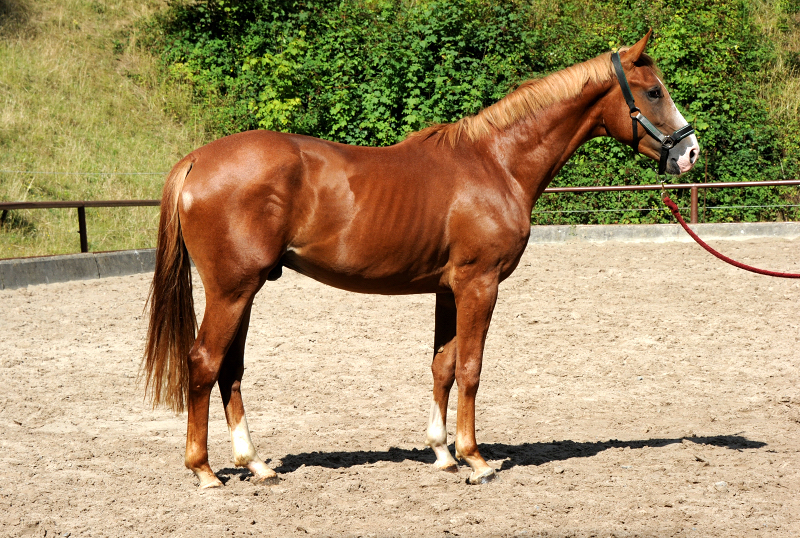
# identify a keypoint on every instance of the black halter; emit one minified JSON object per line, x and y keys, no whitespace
{"x":667,"y":142}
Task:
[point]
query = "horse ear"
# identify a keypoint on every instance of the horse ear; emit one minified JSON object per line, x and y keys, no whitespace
{"x":632,"y":55}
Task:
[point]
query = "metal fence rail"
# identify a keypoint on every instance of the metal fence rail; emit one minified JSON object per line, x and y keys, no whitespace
{"x":694,"y":187}
{"x":82,"y":205}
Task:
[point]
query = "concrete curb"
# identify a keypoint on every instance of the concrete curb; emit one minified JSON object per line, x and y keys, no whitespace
{"x":22,"y":272}
{"x":663,"y":233}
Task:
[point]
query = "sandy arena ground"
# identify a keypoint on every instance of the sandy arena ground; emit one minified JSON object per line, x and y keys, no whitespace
{"x":627,"y":390}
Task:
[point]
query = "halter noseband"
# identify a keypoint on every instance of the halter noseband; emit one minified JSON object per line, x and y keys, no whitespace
{"x":667,"y":142}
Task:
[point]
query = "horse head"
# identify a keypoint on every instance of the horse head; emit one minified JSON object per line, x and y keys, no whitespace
{"x":640,"y":112}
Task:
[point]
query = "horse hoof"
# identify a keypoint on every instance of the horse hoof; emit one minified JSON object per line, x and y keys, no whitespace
{"x":482,"y":478}
{"x":447,"y":467}
{"x":266,"y":480}
{"x":210,"y":484}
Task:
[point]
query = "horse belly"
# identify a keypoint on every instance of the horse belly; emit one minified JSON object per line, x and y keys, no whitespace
{"x":368,"y":267}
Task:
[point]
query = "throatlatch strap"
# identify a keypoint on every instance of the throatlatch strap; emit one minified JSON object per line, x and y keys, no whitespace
{"x":628,"y":95}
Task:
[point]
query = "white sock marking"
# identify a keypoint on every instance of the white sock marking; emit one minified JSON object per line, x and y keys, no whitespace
{"x":437,"y":433}
{"x":243,"y":450}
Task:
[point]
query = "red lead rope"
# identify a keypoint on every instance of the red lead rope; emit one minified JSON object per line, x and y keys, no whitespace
{"x":675,"y":211}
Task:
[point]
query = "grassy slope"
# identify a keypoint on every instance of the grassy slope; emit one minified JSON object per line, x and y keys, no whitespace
{"x":77,"y":96}
{"x":782,"y":88}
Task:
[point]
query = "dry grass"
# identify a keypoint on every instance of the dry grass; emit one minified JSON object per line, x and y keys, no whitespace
{"x":76,"y":95}
{"x":14,"y":15}
{"x":781,"y":87}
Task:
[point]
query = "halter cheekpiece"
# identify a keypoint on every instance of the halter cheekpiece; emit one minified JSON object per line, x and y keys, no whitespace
{"x":667,"y":142}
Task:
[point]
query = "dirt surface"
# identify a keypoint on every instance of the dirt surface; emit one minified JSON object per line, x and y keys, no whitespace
{"x":627,"y":390}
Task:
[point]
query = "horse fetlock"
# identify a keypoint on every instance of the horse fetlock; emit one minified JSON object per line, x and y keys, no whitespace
{"x":444,"y":461}
{"x":466,"y":453}
{"x":480,"y":469}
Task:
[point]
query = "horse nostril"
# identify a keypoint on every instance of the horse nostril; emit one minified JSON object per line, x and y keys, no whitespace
{"x":693,"y":155}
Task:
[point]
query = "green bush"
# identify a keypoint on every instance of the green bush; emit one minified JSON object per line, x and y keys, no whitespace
{"x":370,"y":72}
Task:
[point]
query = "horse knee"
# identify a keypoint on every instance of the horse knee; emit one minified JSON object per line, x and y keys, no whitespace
{"x":468,"y":381}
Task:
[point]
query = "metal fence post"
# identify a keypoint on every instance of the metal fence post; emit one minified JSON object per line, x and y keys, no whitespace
{"x":694,"y":205}
{"x":82,"y":229}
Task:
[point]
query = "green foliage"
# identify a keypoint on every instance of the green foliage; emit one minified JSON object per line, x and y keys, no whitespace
{"x":351,"y":72}
{"x":368,"y":73}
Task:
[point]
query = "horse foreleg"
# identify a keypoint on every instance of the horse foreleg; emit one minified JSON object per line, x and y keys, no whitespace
{"x":475,"y":299}
{"x":230,"y":381}
{"x":443,"y":369}
{"x":220,"y":325}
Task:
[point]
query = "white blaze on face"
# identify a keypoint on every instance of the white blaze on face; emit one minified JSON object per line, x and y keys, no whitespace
{"x":243,"y":450}
{"x":691,"y":148}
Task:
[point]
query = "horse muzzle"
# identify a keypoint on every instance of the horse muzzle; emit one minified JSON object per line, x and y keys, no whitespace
{"x":683,"y":156}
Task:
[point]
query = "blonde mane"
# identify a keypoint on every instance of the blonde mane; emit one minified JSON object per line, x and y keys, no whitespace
{"x":528,"y":99}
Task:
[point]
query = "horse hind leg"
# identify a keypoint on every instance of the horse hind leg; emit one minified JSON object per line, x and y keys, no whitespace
{"x":443,"y":369}
{"x":221,"y":323}
{"x":230,"y":380}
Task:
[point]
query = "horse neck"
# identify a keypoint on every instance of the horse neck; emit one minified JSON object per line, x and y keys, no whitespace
{"x":534,"y":149}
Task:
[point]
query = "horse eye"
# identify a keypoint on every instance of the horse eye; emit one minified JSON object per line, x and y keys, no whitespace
{"x":655,"y":93}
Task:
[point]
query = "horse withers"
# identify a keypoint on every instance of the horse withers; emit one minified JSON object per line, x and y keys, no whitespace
{"x":446,"y":211}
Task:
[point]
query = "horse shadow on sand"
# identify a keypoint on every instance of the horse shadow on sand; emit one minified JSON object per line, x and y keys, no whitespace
{"x":524,"y":454}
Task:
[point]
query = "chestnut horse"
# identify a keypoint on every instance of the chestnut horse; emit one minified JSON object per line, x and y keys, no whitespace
{"x":446,"y":211}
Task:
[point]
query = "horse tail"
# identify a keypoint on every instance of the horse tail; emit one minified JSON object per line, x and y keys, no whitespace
{"x":173,"y":325}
